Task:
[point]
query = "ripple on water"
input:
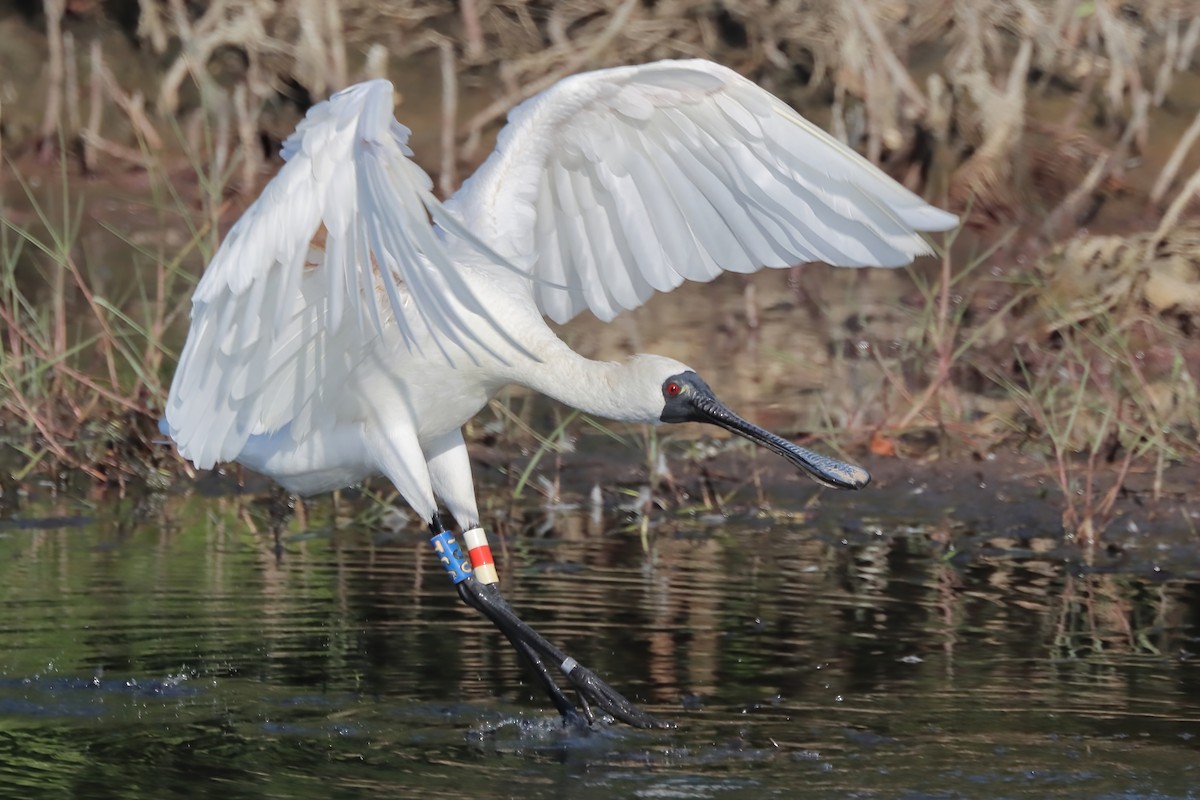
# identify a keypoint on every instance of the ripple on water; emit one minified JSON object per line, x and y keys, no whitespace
{"x":794,"y":662}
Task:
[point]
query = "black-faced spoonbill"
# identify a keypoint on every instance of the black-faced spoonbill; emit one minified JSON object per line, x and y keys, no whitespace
{"x":337,"y":334}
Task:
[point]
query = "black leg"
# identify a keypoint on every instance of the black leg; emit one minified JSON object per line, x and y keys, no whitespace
{"x":536,"y":650}
{"x":530,"y":656}
{"x":486,"y":598}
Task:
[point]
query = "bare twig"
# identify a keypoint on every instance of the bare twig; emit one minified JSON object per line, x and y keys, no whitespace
{"x":133,"y":106}
{"x":97,"y":144}
{"x":1169,"y":170}
{"x":337,"y":44}
{"x":55,"y":76}
{"x":246,"y":115}
{"x":502,"y":106}
{"x":1175,"y":210}
{"x":897,"y":70}
{"x":223,"y":23}
{"x":472,"y":30}
{"x":375,"y":65}
{"x":71,"y":82}
{"x":91,"y":131}
{"x":1187,"y":44}
{"x":944,"y":334}
{"x":1104,"y":167}
{"x":447,"y":179}
{"x":150,"y":26}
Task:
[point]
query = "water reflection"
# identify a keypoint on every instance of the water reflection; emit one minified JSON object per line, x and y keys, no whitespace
{"x":158,"y":641}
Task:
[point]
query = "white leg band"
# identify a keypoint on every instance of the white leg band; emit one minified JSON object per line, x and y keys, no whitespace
{"x":475,"y":538}
{"x":481,"y":556}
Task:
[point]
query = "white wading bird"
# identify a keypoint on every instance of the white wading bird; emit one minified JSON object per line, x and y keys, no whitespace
{"x":337,"y":334}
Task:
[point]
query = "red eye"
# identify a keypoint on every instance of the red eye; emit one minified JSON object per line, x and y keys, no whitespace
{"x":673,"y":389}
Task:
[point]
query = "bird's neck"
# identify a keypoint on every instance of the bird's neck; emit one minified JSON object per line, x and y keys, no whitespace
{"x":598,"y":388}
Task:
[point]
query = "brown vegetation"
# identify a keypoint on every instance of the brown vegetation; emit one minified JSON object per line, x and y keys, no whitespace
{"x":1032,"y":118}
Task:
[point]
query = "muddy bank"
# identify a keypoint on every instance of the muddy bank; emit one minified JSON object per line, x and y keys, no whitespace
{"x":1000,"y":504}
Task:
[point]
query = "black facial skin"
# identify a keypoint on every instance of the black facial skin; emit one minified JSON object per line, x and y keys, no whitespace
{"x":695,"y":402}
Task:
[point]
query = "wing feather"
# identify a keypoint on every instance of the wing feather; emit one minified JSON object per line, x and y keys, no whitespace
{"x":280,"y":321}
{"x":613,"y":184}
{"x":627,"y":224}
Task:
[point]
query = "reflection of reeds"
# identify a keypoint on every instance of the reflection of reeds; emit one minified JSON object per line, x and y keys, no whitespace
{"x":744,"y":623}
{"x":1103,"y":616}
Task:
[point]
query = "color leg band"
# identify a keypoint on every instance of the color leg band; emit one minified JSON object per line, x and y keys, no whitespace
{"x":481,"y":556}
{"x":452,"y":557}
{"x":567,"y":665}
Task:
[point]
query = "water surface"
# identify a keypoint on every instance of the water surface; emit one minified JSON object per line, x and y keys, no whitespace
{"x":871,"y":645}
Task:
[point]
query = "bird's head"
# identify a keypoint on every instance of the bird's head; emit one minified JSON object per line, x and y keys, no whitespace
{"x":683,"y":396}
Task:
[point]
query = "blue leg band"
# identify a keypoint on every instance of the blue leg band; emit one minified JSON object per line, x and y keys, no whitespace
{"x":457,"y":564}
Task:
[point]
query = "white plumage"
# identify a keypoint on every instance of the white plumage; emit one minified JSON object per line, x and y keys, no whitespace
{"x":337,"y":334}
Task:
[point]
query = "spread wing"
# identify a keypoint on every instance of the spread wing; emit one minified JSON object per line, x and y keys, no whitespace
{"x":281,"y":317}
{"x":615,"y":184}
